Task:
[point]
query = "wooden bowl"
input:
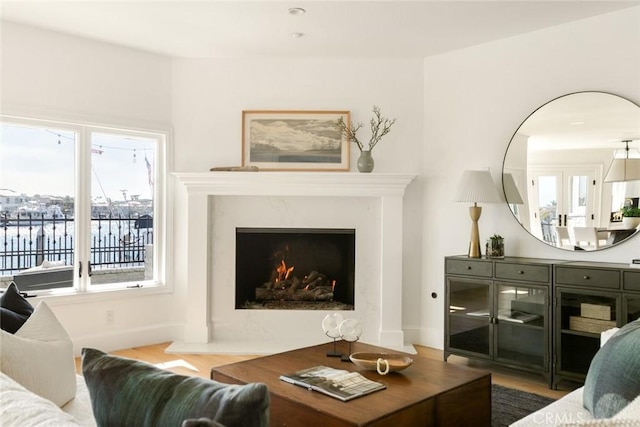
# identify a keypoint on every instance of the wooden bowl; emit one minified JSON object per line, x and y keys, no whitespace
{"x":397,"y":362}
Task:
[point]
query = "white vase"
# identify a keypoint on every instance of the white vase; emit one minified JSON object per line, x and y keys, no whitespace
{"x":630,"y":221}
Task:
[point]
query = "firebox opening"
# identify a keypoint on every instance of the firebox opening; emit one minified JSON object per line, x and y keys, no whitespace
{"x":295,"y":268}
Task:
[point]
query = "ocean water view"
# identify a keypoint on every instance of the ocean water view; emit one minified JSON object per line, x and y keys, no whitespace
{"x":114,"y":242}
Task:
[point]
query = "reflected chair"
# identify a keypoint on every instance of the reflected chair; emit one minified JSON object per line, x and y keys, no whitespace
{"x":605,"y":236}
{"x":587,"y":235}
{"x":562,"y":238}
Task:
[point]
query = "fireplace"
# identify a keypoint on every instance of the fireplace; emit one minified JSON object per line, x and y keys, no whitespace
{"x":295,"y":268}
{"x":221,"y":202}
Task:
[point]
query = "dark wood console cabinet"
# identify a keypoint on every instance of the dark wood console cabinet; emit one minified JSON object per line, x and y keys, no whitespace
{"x":540,"y":315}
{"x":589,"y":298}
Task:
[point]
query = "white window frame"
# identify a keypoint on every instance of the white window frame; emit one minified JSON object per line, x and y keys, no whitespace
{"x":162,"y":200}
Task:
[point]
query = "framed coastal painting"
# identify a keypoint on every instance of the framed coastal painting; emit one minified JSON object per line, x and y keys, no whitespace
{"x":294,"y":140}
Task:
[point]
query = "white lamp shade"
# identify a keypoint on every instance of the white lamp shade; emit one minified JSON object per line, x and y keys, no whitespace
{"x":623,"y":170}
{"x":511,"y":192}
{"x":477,"y":187}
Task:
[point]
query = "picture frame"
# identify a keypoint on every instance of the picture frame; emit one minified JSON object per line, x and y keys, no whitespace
{"x":290,"y":140}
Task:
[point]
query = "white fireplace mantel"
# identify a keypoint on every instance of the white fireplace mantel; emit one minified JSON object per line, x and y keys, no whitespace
{"x":388,"y":188}
{"x":294,"y":183}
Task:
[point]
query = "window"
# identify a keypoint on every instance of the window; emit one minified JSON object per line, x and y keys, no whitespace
{"x":81,"y":207}
{"x":564,"y":197}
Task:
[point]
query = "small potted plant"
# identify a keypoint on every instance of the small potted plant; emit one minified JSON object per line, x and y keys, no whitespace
{"x":495,"y":246}
{"x":630,"y":217}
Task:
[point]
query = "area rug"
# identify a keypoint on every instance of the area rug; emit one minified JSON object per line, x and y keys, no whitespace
{"x":509,"y":405}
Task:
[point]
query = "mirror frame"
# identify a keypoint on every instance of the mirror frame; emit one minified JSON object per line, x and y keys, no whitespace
{"x":508,"y":182}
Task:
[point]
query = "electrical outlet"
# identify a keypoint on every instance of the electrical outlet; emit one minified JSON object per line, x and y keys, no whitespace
{"x":110,"y":317}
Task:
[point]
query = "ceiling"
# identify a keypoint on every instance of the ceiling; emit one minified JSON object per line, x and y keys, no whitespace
{"x":584,"y":120}
{"x":338,"y":29}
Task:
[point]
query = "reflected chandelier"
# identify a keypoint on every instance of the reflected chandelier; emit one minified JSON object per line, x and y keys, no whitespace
{"x":624,"y":169}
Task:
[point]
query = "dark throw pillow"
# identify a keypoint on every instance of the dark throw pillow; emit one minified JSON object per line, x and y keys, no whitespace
{"x":201,"y":422}
{"x":613,"y":379}
{"x":14,"y":309}
{"x":126,"y":392}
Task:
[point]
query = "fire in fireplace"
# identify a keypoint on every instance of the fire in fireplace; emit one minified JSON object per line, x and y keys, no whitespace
{"x":295,"y":268}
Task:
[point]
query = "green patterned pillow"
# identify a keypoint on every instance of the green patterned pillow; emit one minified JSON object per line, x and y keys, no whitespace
{"x":613,"y":379}
{"x":126,"y":392}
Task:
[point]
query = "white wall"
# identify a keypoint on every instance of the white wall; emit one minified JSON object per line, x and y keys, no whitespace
{"x":209,"y":96}
{"x":49,"y":75}
{"x":476,"y":98}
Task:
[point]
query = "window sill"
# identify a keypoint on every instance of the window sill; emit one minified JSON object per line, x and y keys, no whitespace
{"x":54,"y":298}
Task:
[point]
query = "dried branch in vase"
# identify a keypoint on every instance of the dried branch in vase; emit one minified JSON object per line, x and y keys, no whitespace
{"x":380,"y":126}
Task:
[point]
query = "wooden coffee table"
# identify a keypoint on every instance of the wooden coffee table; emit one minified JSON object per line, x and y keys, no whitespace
{"x":428,"y":393}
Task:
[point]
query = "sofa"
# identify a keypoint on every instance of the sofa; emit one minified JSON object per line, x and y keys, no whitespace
{"x":22,"y":407}
{"x":570,"y":411}
{"x":39,"y":385}
{"x":38,"y":380}
{"x":611,"y":394}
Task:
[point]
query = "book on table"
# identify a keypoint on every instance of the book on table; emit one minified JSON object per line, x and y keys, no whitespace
{"x":338,"y":383}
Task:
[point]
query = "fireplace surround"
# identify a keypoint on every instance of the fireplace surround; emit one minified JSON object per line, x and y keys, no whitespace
{"x":220,"y":202}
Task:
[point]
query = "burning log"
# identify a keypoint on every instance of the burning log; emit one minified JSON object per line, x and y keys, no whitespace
{"x":314,"y":275}
{"x":320,"y":293}
{"x":293,"y":283}
{"x":283,"y":286}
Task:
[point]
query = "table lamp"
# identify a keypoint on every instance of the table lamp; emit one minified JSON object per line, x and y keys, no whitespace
{"x":511,"y":193}
{"x":476,"y":187}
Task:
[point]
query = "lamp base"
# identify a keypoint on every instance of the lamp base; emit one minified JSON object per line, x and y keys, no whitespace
{"x":474,"y":250}
{"x":474,"y":244}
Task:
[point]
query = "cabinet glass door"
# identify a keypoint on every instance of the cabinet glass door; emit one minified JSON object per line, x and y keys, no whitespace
{"x":632,"y":308}
{"x":582,"y":317}
{"x":521,"y":324}
{"x":469,"y":317}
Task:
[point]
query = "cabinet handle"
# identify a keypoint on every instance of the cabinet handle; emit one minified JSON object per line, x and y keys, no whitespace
{"x":520,"y":272}
{"x":468,"y":267}
{"x":586,"y":277}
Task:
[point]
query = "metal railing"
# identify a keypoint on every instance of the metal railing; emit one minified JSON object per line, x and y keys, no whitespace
{"x":116,"y":241}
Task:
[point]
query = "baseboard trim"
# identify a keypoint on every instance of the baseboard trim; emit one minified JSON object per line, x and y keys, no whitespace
{"x":127,"y":338}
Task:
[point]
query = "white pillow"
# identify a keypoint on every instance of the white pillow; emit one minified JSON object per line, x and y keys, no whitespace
{"x":20,"y":407}
{"x":631,"y":411}
{"x":40,"y":356}
{"x":603,"y":422}
{"x":605,"y":335}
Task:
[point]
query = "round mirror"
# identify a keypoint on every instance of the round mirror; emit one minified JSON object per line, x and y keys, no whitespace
{"x":571,"y":173}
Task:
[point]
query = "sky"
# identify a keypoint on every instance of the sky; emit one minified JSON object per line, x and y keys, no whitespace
{"x":41,"y":161}
{"x":297,"y":134}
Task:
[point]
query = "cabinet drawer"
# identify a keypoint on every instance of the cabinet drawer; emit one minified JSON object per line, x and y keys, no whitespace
{"x":631,"y":280}
{"x":469,"y":267}
{"x":529,"y":272}
{"x":590,"y":277}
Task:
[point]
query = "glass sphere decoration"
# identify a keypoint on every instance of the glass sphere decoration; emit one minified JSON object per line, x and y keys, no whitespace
{"x":350,"y":331}
{"x":331,"y":323}
{"x":330,"y":326}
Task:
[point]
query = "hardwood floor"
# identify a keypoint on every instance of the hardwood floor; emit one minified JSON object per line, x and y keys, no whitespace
{"x":201,"y":364}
